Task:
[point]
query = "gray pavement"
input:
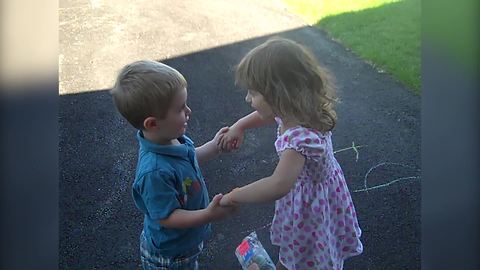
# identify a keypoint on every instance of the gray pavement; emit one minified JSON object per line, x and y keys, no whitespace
{"x":99,"y":225}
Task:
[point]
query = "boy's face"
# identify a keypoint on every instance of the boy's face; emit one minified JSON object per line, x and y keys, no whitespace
{"x":174,"y":124}
{"x":258,"y":103}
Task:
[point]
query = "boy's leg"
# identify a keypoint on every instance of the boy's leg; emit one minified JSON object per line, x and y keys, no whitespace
{"x":149,"y":265}
{"x":189,"y":261}
{"x":153,"y":261}
{"x":150,"y":260}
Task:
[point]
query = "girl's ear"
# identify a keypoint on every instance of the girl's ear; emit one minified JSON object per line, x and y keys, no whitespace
{"x":150,"y":123}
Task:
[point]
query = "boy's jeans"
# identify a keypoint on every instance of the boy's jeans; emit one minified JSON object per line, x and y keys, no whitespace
{"x":151,"y":260}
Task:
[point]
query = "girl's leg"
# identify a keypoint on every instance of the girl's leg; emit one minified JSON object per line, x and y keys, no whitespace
{"x":280,"y":266}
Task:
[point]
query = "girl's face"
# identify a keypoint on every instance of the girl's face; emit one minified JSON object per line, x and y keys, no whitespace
{"x":258,"y":103}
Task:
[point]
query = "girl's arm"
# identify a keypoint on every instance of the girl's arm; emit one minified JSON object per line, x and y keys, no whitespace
{"x":234,"y":137}
{"x":252,"y":120}
{"x":270,"y":188}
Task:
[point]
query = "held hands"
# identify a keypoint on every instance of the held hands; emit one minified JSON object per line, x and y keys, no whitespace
{"x":218,"y":138}
{"x":231,"y":139}
{"x":227,"y":199}
{"x":210,"y":149}
{"x":216,"y":211}
{"x":220,"y":134}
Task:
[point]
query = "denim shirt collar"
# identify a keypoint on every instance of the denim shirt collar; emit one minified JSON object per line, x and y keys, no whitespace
{"x":178,"y":150}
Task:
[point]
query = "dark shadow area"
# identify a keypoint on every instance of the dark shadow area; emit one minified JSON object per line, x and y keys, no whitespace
{"x":100,"y":226}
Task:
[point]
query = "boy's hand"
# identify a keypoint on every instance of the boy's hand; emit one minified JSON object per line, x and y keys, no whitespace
{"x":216,"y":211}
{"x":219,"y":136}
{"x":232,"y":139}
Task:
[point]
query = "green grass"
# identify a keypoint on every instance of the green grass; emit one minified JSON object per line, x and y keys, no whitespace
{"x":452,"y":28}
{"x":385,"y":33}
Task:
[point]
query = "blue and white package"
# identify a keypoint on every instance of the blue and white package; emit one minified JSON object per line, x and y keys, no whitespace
{"x":252,"y":255}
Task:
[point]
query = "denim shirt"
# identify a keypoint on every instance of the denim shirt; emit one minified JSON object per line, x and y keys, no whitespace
{"x":167,"y":178}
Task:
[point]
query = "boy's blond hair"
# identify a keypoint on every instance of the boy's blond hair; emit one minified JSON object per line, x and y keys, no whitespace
{"x":292,"y":82}
{"x":146,"y":88}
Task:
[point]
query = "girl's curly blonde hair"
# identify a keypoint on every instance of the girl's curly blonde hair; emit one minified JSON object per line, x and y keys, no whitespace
{"x":291,"y":81}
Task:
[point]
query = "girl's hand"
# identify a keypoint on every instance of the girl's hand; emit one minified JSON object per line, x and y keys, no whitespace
{"x":227,"y":200}
{"x":232,"y":139}
{"x":216,"y":211}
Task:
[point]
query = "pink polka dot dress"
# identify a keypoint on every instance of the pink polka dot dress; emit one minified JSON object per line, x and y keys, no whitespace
{"x":315,"y":224}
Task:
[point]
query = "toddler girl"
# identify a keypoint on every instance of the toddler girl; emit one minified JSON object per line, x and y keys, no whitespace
{"x":315,"y":223}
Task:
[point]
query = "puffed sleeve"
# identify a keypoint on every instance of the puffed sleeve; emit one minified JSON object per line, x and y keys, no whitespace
{"x":308,"y":142}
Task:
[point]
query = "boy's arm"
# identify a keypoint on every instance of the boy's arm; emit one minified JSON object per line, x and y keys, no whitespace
{"x":206,"y":152}
{"x":184,"y":219}
{"x":270,"y":188}
{"x":210,"y":149}
{"x":156,"y":193}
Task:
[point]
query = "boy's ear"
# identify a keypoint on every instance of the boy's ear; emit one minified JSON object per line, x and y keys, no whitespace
{"x":150,"y":123}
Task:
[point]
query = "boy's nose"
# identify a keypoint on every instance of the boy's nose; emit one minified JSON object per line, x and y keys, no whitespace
{"x":188,"y":110}
{"x":247,"y":98}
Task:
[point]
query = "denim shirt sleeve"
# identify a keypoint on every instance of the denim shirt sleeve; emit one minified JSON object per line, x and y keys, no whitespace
{"x":158,"y":193}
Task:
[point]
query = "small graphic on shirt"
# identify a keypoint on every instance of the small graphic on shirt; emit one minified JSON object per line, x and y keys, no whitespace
{"x":187,"y":182}
{"x":190,"y":187}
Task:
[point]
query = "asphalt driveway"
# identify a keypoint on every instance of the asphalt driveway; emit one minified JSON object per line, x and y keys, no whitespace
{"x":377,"y":138}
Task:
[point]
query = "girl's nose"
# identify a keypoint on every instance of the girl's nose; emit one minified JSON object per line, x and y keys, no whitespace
{"x":188,"y":110}
{"x":248,"y":98}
